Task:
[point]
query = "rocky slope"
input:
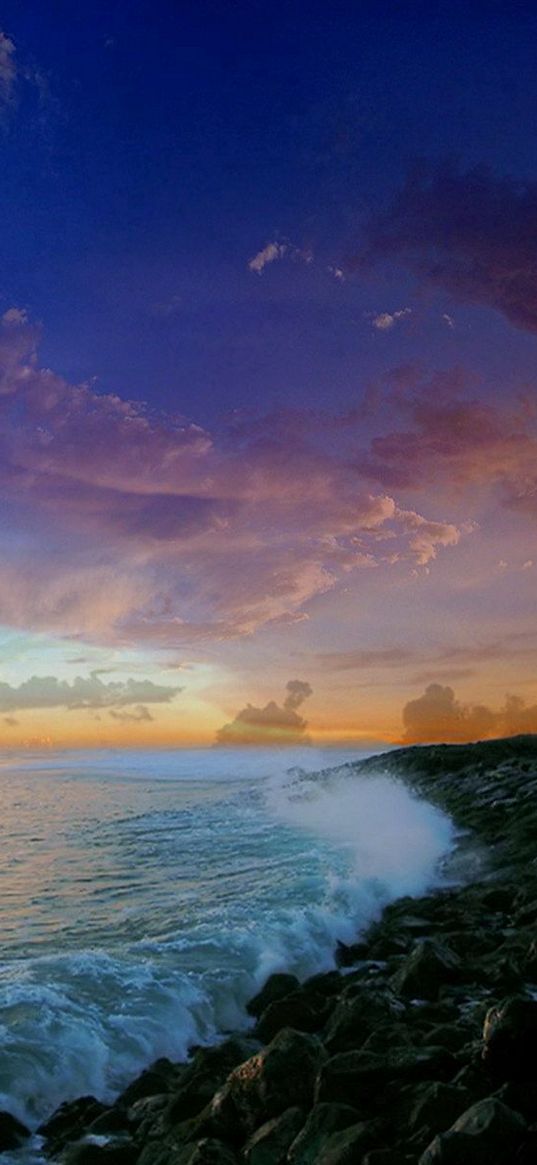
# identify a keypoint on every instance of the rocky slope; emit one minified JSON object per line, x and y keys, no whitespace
{"x":421,"y":1048}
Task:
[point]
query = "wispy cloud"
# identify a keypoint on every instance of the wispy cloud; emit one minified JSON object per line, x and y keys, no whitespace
{"x":8,"y":69}
{"x":385,"y":320}
{"x":83,"y":692}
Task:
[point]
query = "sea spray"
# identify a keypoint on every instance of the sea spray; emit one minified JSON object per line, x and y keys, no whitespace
{"x":147,"y":897}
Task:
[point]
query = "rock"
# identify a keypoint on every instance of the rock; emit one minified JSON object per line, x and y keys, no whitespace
{"x":348,"y":1146}
{"x":510,"y":1039}
{"x":207,"y":1151}
{"x":357,"y":1016}
{"x":323,"y":1121}
{"x":204,"y":1074}
{"x":347,"y":956}
{"x":359,"y":1078}
{"x":280,"y":1076}
{"x":269,"y":1144}
{"x":160,"y":1077}
{"x":12,"y":1132}
{"x":428,"y":967}
{"x":437,"y":1106}
{"x":276,"y":987}
{"x":113,"y":1120}
{"x":326,"y":983}
{"x":70,"y":1121}
{"x":488,"y":1133}
{"x":91,"y":1153}
{"x":304,"y":1013}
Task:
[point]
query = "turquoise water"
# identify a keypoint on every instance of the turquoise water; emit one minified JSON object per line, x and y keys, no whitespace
{"x":146,"y":896}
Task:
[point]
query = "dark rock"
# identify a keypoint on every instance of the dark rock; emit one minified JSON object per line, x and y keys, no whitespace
{"x":204,"y":1074}
{"x":304,"y":1013}
{"x":207,"y":1151}
{"x":347,"y":956}
{"x":327,"y":983}
{"x":12,"y":1132}
{"x":429,"y":966}
{"x":510,"y":1039}
{"x":70,"y":1121}
{"x":280,"y":1076}
{"x":348,"y":1146}
{"x":356,"y":1017}
{"x":488,"y":1133}
{"x":323,"y":1121}
{"x":160,"y":1077}
{"x":276,"y":987}
{"x":269,"y":1144}
{"x":437,"y":1106}
{"x":113,"y":1120}
{"x":91,"y":1153}
{"x":359,"y":1078}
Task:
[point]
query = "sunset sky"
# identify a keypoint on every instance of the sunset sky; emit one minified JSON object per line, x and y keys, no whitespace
{"x":268,"y":381}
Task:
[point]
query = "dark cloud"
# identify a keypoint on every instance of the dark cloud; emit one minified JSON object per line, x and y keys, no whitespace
{"x":83,"y":692}
{"x":139,"y":715}
{"x":273,"y":724}
{"x":10,"y":721}
{"x":472,"y":234}
{"x":437,"y":715}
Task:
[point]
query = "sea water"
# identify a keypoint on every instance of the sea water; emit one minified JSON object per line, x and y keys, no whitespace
{"x":146,"y":896}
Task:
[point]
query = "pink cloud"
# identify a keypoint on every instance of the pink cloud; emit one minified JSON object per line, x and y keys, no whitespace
{"x":148,"y":528}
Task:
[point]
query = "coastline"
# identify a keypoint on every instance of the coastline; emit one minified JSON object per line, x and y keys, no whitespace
{"x":373,"y":1062}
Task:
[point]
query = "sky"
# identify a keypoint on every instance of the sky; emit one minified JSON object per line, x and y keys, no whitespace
{"x":268,"y":407}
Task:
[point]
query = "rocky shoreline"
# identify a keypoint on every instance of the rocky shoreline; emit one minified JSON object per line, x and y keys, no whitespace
{"x":420,"y":1048}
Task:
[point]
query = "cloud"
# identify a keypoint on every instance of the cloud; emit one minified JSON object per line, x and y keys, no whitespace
{"x":149,"y":529}
{"x":83,"y":692}
{"x":438,"y":716}
{"x":10,"y":721}
{"x":384,"y":321}
{"x":8,"y":68}
{"x":362,"y":659}
{"x":139,"y":715}
{"x":271,"y":725}
{"x":470,"y":233}
{"x":269,"y":254}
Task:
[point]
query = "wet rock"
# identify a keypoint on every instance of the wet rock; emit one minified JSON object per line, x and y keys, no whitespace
{"x":88,"y":1152}
{"x":276,"y":987}
{"x":70,"y":1121}
{"x":359,"y":1078}
{"x":206,"y":1072}
{"x":207,"y":1151}
{"x":326,"y":983}
{"x":510,"y":1039}
{"x":488,"y":1133}
{"x":280,"y":1076}
{"x":323,"y":1121}
{"x":348,"y":1146}
{"x":357,"y":1016}
{"x":429,"y":966}
{"x":305,"y":1013}
{"x":437,"y":1106}
{"x":12,"y":1132}
{"x":269,"y":1144}
{"x":161,"y":1076}
{"x":348,"y":956}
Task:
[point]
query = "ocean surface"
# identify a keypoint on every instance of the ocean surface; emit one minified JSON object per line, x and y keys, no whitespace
{"x":145,"y":896}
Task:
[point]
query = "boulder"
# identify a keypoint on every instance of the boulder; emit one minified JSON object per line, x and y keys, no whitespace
{"x":280,"y":1076}
{"x":488,"y":1133}
{"x":92,"y":1153}
{"x":12,"y":1132}
{"x":160,"y":1077}
{"x":304,"y":1013}
{"x":356,"y":1016}
{"x":348,"y":1146}
{"x":437,"y":1106}
{"x":276,"y":987}
{"x":429,"y":967}
{"x":204,"y":1074}
{"x":359,"y":1078}
{"x":510,"y":1039}
{"x":70,"y":1121}
{"x":269,"y":1144}
{"x":324,"y":1120}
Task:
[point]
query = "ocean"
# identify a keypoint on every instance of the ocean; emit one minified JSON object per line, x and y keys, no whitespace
{"x":146,"y":896}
